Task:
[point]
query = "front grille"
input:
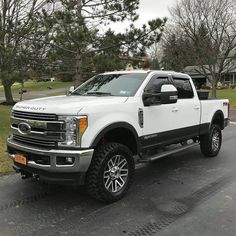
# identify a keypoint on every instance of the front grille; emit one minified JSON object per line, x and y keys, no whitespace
{"x":45,"y":129}
{"x":34,"y":116}
{"x":35,"y":142}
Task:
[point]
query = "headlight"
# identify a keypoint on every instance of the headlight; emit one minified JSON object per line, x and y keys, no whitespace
{"x":74,"y":130}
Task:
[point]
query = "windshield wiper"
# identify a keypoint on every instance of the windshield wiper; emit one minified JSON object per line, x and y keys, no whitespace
{"x":99,"y":93}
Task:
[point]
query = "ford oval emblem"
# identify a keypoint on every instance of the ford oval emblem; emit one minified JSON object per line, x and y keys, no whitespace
{"x":24,"y":128}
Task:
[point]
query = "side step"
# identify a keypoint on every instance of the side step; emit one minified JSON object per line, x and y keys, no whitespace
{"x":167,"y":153}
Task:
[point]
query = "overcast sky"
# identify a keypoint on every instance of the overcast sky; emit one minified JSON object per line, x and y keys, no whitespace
{"x":149,"y":9}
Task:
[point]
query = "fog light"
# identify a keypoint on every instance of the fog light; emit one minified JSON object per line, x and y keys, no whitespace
{"x":69,"y":160}
{"x":65,"y":161}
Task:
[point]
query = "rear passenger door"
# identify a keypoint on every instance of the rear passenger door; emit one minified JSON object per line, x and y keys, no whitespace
{"x":187,"y":109}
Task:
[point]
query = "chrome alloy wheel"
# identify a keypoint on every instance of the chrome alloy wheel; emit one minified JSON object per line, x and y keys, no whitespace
{"x":116,"y":174}
{"x":215,"y":140}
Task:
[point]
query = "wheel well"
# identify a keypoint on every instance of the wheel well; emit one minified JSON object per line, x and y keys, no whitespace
{"x":123,"y":136}
{"x":218,"y":119}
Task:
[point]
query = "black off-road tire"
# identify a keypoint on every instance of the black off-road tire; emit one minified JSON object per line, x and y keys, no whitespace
{"x":207,"y":142}
{"x":95,"y":183}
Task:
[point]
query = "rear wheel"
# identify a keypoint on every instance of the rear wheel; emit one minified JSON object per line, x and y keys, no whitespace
{"x":211,"y":143}
{"x":110,"y":173}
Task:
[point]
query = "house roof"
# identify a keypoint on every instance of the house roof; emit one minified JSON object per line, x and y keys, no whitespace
{"x":199,"y":69}
{"x":196,"y":69}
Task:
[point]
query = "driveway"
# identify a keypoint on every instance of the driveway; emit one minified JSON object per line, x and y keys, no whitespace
{"x":183,"y":194}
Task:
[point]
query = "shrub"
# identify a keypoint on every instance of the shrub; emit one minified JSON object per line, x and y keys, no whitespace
{"x":206,"y":87}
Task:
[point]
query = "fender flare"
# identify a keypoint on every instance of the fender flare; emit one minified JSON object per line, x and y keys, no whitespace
{"x":115,"y":126}
{"x":218,"y":113}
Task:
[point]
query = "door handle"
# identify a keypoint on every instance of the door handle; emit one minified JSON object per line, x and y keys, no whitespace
{"x":175,"y":109}
{"x":196,"y":107}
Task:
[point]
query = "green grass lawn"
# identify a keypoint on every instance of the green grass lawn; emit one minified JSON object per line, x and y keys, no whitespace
{"x":5,"y":162}
{"x":229,"y":94}
{"x":40,"y":86}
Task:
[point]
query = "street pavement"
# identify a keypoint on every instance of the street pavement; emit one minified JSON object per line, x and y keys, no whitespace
{"x":183,"y":194}
{"x":35,"y":94}
{"x":232,"y":115}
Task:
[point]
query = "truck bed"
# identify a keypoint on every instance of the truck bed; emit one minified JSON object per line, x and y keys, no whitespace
{"x":210,"y":106}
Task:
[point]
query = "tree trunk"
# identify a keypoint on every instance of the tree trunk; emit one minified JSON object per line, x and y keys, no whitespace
{"x":21,"y":91}
{"x":213,"y":88}
{"x":78,"y":58}
{"x":8,"y":94}
{"x":78,"y":70}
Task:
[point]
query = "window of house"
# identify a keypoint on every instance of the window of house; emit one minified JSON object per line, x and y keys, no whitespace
{"x":226,"y":78}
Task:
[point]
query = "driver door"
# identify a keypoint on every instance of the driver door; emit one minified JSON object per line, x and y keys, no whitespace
{"x":159,"y":120}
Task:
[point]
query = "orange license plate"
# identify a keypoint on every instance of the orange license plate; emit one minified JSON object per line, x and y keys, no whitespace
{"x":20,"y":159}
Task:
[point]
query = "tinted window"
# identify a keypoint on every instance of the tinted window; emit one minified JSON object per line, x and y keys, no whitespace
{"x":122,"y":85}
{"x":184,"y":88}
{"x":154,"y":86}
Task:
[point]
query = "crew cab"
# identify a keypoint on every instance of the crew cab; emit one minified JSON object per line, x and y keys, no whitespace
{"x":96,"y":134}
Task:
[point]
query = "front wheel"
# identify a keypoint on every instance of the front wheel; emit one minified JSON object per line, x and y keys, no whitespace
{"x":211,"y":143}
{"x":110,"y":173}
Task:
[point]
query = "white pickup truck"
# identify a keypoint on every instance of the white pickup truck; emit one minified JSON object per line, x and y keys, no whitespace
{"x":92,"y":135}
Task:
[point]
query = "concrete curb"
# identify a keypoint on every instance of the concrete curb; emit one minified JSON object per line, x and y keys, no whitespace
{"x":232,"y":123}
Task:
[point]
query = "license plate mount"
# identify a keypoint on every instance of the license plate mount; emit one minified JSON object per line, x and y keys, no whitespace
{"x":21,"y":159}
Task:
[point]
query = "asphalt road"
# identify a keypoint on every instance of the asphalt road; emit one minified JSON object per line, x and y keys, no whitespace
{"x":35,"y":94}
{"x":183,"y":194}
{"x":232,"y":115}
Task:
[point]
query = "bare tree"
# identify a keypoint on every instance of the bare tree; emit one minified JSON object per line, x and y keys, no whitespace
{"x":211,"y":26}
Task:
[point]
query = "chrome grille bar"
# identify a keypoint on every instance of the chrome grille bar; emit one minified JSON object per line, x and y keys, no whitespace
{"x":39,"y":124}
{"x":34,"y":116}
{"x":34,"y":142}
{"x":46,"y":135}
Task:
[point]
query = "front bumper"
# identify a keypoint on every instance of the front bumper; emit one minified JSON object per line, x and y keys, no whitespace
{"x":82,"y":160}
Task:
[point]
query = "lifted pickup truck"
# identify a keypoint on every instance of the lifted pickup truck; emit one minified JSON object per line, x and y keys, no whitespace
{"x":92,"y":135}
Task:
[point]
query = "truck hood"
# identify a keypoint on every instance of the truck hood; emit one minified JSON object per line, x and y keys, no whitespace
{"x":65,"y":105}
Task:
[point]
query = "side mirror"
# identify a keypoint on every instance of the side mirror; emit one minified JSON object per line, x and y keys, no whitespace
{"x":149,"y":99}
{"x":71,"y":90}
{"x":169,"y":94}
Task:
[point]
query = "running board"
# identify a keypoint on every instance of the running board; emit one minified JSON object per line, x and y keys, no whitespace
{"x":167,"y":153}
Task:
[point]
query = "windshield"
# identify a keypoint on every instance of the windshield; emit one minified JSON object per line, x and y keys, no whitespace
{"x":122,"y":85}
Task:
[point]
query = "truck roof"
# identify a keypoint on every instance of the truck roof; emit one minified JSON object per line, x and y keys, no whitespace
{"x":146,"y":72}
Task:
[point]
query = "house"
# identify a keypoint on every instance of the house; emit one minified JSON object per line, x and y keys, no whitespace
{"x":198,"y":79}
{"x":228,"y":77}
